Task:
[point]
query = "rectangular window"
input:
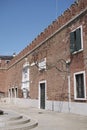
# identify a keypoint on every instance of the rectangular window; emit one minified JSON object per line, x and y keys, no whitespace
{"x":79,"y":85}
{"x":76,"y":44}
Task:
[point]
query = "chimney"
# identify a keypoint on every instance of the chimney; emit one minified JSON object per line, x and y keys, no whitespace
{"x":14,"y":54}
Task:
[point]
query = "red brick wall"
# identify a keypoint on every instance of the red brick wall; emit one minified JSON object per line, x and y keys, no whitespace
{"x":70,"y":13}
{"x":2,"y":80}
{"x":55,"y":48}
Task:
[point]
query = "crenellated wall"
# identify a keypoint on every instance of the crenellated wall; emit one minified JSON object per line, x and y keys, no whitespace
{"x":70,"y":13}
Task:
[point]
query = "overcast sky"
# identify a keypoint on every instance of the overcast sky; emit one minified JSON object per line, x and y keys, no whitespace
{"x":22,"y":20}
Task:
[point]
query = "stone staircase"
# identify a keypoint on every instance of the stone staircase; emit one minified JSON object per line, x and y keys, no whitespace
{"x":14,"y":121}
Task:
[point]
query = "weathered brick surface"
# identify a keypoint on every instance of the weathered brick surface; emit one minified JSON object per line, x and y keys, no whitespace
{"x":55,"y":48}
{"x":2,"y":80}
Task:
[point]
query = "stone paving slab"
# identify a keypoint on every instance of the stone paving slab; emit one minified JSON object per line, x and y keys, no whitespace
{"x":49,"y":120}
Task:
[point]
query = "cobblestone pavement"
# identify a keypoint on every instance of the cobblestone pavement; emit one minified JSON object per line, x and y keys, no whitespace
{"x":49,"y":120}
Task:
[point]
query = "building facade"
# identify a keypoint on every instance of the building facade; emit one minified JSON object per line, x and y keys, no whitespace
{"x":51,"y":72}
{"x":4,"y":60}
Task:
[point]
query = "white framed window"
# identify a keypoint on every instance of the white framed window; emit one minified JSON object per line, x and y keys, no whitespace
{"x":80,"y":86}
{"x":42,"y":64}
{"x":76,"y":40}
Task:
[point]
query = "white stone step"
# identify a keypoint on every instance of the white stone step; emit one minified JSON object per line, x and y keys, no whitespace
{"x":8,"y":118}
{"x":19,"y":121}
{"x":15,"y":121}
{"x":27,"y":126}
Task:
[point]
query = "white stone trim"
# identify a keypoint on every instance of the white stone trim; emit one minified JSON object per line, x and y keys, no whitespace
{"x":25,"y":81}
{"x":81,"y":39}
{"x":81,"y":72}
{"x":32,"y":64}
{"x":42,"y":64}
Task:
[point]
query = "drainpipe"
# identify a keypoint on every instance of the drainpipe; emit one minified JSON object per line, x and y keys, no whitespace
{"x":69,"y":92}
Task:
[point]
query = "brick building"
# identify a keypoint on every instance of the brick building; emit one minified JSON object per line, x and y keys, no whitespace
{"x":4,"y":60}
{"x":51,"y":72}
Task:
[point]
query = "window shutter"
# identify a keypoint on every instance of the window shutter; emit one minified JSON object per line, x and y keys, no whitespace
{"x":72,"y":49}
{"x":78,"y":39}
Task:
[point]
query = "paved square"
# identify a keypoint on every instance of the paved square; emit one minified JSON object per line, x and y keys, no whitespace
{"x":49,"y":120}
